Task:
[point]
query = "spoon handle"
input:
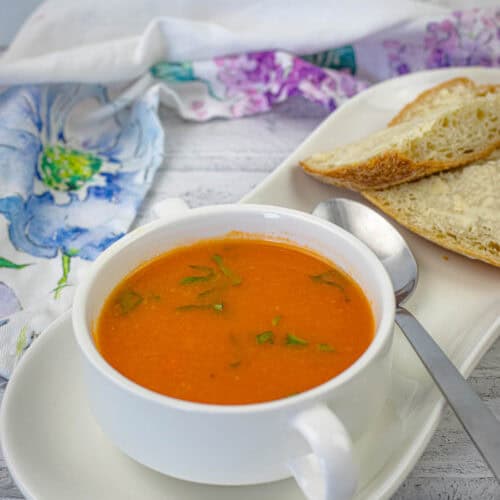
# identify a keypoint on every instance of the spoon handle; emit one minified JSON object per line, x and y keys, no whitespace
{"x":476,"y":418}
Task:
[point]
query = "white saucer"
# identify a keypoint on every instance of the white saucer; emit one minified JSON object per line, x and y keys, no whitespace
{"x":55,"y":450}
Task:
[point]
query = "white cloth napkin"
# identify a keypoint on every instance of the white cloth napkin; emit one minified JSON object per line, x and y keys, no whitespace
{"x":117,"y":40}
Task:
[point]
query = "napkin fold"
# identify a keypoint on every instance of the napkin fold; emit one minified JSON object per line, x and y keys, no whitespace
{"x":77,"y":159}
{"x":118,"y":40}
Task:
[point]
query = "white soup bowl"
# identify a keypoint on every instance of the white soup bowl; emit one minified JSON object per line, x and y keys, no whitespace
{"x":308,"y":435}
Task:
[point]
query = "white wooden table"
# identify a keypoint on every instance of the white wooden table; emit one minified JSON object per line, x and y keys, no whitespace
{"x":220,"y":161}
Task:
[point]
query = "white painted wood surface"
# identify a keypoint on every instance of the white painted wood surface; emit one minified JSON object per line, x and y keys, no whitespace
{"x":220,"y":161}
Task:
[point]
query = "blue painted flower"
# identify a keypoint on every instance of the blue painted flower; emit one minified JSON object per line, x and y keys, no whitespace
{"x":67,"y":188}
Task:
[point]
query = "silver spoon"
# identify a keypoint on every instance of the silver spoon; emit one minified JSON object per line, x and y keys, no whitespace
{"x":390,"y":247}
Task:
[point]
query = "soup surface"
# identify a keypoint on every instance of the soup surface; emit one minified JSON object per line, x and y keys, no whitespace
{"x":234,"y":321}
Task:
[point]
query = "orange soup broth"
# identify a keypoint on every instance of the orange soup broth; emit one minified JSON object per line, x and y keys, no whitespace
{"x":208,"y":340}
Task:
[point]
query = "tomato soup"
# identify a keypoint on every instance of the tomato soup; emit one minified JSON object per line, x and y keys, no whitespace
{"x":234,"y":321}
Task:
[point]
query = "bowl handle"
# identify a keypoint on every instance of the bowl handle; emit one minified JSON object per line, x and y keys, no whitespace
{"x":329,"y":472}
{"x":170,"y":207}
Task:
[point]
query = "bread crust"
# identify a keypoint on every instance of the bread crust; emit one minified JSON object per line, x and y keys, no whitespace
{"x":393,"y":168}
{"x":479,"y":91}
{"x":448,"y":243}
{"x":390,"y":169}
{"x":417,"y":102}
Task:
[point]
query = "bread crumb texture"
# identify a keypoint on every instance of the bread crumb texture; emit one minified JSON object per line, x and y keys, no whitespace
{"x":413,"y":149}
{"x":458,"y":209}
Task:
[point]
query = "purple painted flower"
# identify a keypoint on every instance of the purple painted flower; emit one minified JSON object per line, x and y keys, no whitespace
{"x":403,"y":69}
{"x":466,"y":38}
{"x":256,"y":81}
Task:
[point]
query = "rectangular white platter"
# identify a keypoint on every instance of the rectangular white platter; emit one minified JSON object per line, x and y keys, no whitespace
{"x":457,"y":299}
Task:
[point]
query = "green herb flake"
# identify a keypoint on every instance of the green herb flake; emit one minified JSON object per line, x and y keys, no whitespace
{"x":265,"y":337}
{"x":235,"y":364}
{"x":189,"y":280}
{"x":326,"y":348}
{"x":326,"y":278}
{"x":209,"y":275}
{"x":129,"y":300}
{"x":276,"y":320}
{"x":194,"y":307}
{"x":207,"y":292}
{"x":233,"y":277}
{"x":294,"y":340}
{"x":202,"y":269}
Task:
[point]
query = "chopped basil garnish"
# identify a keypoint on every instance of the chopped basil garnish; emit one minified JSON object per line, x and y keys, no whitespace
{"x":189,"y":280}
{"x":193,"y":307}
{"x":265,"y":337}
{"x":233,"y":277}
{"x":202,"y":269}
{"x":326,"y":278}
{"x":326,"y":348}
{"x":294,"y":340}
{"x":276,"y":320}
{"x":129,"y":300}
{"x":209,"y":273}
{"x":207,"y":292}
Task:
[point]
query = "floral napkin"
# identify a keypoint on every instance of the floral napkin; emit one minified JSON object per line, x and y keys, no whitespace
{"x":76,"y":160}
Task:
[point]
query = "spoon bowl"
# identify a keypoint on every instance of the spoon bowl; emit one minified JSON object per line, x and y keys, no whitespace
{"x":380,"y":236}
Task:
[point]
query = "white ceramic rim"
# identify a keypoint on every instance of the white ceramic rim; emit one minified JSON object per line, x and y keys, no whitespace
{"x":382,"y":334}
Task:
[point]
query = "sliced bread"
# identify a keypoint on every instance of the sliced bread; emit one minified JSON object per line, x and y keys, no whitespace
{"x":409,"y":150}
{"x":458,"y":209}
{"x":448,"y":94}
